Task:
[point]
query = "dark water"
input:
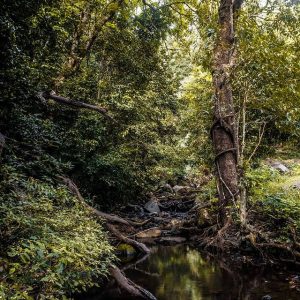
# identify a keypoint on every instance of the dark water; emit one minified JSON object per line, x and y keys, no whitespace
{"x":182,"y":273}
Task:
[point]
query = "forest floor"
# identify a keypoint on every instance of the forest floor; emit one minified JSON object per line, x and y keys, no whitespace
{"x":187,"y":213}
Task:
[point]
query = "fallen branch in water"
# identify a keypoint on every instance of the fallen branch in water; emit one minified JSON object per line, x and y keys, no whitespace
{"x":135,"y":263}
{"x":125,"y":283}
{"x":137,"y":245}
{"x":129,"y":286}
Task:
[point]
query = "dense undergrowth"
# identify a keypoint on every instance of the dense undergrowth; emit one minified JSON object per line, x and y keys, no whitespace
{"x":274,"y":201}
{"x":50,"y":244}
{"x":273,"y":210}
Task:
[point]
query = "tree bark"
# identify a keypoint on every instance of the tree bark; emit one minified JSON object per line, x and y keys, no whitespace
{"x":223,"y":129}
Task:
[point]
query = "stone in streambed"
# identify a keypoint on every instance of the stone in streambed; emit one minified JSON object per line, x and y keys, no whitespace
{"x":179,"y":189}
{"x":149,"y":233}
{"x":152,"y":206}
{"x":280,"y":167}
{"x":171,"y":240}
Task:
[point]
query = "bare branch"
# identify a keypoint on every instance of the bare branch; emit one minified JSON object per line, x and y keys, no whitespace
{"x":260,"y":136}
{"x":63,"y":100}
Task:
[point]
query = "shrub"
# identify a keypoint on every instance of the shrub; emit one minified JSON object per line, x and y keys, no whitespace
{"x":50,"y":244}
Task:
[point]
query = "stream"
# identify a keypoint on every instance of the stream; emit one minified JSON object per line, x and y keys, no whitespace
{"x":183,"y":273}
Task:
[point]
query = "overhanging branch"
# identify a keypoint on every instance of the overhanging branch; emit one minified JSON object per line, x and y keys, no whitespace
{"x":75,"y":103}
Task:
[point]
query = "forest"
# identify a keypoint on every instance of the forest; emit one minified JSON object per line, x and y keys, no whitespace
{"x":149,"y":149}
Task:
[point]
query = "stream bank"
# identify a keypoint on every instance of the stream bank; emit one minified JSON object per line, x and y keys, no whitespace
{"x":176,"y":215}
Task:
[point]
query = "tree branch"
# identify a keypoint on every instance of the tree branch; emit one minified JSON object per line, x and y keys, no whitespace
{"x":75,"y":103}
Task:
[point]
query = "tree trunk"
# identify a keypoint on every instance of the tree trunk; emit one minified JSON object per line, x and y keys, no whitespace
{"x":224,"y":126}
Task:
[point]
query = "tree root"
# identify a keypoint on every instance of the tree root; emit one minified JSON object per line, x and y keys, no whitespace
{"x":219,"y":239}
{"x":288,"y":249}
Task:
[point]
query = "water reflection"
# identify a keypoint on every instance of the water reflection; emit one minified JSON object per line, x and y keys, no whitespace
{"x":182,"y":273}
{"x":187,"y":274}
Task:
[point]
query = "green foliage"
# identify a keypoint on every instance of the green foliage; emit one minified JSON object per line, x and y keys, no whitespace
{"x":273,"y":195}
{"x":50,"y":244}
{"x":267,"y":73}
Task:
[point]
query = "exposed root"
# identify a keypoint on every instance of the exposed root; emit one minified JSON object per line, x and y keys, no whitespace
{"x":218,"y":240}
{"x":286,"y":248}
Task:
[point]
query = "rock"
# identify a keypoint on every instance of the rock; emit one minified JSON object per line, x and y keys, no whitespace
{"x":172,"y":240}
{"x":296,"y":185}
{"x":149,"y":233}
{"x":280,"y":167}
{"x":152,"y":206}
{"x":203,"y":217}
{"x":179,"y":188}
{"x":266,"y":297}
{"x":293,"y":184}
{"x":174,"y":223}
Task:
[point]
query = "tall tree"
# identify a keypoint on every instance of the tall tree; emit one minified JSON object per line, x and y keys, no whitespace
{"x":224,"y":127}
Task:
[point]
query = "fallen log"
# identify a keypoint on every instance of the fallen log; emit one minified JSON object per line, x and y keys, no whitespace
{"x":124,"y":283}
{"x":137,"y":245}
{"x":129,"y":286}
{"x":74,"y":189}
{"x":109,"y":217}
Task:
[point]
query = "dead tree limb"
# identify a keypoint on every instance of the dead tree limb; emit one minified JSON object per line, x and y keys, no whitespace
{"x":137,"y":245}
{"x":75,"y":191}
{"x":129,"y":286}
{"x":113,"y":218}
{"x":135,"y":263}
{"x":74,"y":103}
